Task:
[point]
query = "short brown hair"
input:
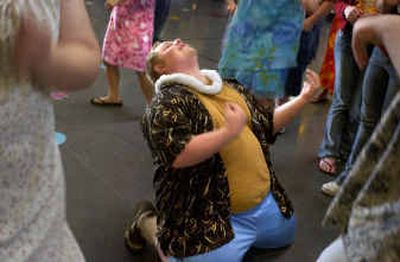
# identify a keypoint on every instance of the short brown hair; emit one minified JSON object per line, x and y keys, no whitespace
{"x":152,"y":59}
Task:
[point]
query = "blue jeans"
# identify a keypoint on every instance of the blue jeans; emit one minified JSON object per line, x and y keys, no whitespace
{"x":380,"y":86}
{"x":262,"y":226}
{"x":340,"y":125}
{"x":160,"y":17}
{"x":308,"y":48}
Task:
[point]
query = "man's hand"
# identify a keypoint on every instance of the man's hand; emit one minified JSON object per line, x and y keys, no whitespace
{"x":311,"y":86}
{"x":230,"y":6}
{"x":352,"y":13}
{"x":235,"y":119}
{"x":308,"y":24}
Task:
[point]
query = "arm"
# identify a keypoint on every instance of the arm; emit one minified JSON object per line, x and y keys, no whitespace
{"x":381,"y":30}
{"x":203,"y":146}
{"x":231,"y":6}
{"x":322,"y":11}
{"x":69,"y":64}
{"x":286,"y":112}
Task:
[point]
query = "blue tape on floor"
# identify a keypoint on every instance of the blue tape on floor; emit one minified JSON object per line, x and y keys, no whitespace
{"x":60,"y":138}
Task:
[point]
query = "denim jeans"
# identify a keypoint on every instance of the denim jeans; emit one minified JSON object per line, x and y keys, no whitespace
{"x":344,"y":110}
{"x":160,"y":17}
{"x":262,"y":226}
{"x":380,"y":86}
{"x":308,"y":48}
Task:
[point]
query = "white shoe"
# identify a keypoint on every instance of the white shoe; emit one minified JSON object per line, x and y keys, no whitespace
{"x":330,"y":188}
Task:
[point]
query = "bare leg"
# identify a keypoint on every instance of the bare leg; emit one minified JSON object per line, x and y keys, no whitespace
{"x":113,"y":84}
{"x":146,"y":86}
{"x":112,"y":98}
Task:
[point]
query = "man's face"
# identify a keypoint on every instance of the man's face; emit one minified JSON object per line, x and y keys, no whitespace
{"x":175,"y":56}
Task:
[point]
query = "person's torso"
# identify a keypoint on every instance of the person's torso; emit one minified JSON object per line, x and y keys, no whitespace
{"x":247,"y":170}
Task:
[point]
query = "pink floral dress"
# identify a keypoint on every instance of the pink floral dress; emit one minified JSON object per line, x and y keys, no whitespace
{"x":129,"y":34}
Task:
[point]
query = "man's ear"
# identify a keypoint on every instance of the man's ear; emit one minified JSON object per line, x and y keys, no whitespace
{"x":159,"y":68}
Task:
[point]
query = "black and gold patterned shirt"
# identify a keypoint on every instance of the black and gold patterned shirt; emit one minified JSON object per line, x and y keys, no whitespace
{"x":193,"y":202}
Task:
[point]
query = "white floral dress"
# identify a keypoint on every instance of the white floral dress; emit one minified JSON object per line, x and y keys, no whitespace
{"x":33,"y":224}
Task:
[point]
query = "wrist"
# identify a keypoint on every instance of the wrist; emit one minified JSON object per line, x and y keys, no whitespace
{"x":227,"y":133}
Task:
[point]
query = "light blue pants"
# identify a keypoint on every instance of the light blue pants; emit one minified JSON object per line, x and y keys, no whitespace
{"x":261,"y":227}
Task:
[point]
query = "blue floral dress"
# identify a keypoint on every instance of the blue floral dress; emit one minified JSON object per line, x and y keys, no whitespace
{"x":261,"y":43}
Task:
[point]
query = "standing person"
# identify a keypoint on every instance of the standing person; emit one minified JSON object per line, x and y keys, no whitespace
{"x":215,"y":187}
{"x":380,"y":86}
{"x":367,"y":207}
{"x":51,"y":55}
{"x":127,"y":41}
{"x":160,"y":17}
{"x":341,"y":122}
{"x":261,"y":44}
{"x":309,"y":42}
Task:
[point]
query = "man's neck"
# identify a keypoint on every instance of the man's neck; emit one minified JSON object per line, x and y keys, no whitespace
{"x":198,"y":75}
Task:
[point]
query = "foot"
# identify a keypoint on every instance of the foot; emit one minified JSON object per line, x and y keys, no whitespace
{"x":327,"y":165}
{"x":330,"y":188}
{"x":140,"y":227}
{"x":106,"y":101}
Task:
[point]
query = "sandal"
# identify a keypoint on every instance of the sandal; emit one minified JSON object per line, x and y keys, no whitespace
{"x":101,"y":101}
{"x":327,"y":165}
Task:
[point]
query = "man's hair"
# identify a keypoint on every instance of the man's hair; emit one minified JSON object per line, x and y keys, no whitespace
{"x":152,"y":59}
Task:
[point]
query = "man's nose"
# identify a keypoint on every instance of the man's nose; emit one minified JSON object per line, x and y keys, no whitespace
{"x":177,"y":41}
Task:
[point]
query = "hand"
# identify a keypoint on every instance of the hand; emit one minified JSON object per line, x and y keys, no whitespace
{"x":235,"y":119}
{"x":109,"y":4}
{"x":352,"y":13}
{"x":308,"y":24}
{"x":230,"y":6}
{"x":365,"y":32}
{"x":311,"y":86}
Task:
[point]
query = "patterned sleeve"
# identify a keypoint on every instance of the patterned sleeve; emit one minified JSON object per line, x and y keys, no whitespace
{"x":262,"y":116}
{"x":167,"y":129}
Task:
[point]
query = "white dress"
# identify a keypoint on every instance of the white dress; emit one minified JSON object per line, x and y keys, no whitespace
{"x":33,"y":224}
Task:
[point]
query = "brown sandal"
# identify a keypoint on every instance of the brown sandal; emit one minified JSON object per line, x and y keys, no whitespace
{"x":100,"y":101}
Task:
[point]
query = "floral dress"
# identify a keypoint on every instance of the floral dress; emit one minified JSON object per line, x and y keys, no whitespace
{"x":129,"y":34}
{"x":33,"y":224}
{"x":261,"y":44}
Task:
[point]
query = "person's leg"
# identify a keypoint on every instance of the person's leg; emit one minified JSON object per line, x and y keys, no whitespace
{"x":112,"y":97}
{"x":245,"y":233}
{"x":113,"y":83}
{"x":346,"y":78}
{"x":295,"y":74}
{"x":146,"y":86}
{"x":335,"y":252}
{"x":273,"y":229}
{"x":160,"y":17}
{"x":373,"y":94}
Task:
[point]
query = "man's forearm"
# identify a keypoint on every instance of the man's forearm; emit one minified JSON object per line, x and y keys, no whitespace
{"x":286,"y":112}
{"x":323,"y":10}
{"x":202,"y":147}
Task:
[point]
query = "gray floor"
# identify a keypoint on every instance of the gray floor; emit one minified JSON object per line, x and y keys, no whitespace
{"x":108,"y":166}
